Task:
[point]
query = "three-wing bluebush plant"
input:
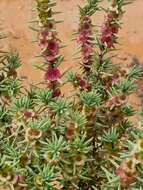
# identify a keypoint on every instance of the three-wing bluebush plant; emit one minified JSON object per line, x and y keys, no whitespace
{"x":85,"y":142}
{"x":105,"y":104}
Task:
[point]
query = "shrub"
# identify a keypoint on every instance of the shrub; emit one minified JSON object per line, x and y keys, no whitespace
{"x":86,"y":141}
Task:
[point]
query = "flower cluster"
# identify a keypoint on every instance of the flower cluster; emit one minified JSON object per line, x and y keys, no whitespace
{"x":110,"y":27}
{"x":53,"y":75}
{"x":12,"y":177}
{"x":127,"y":171}
{"x":83,"y":83}
{"x":116,"y":101}
{"x":84,"y":39}
{"x":50,"y":45}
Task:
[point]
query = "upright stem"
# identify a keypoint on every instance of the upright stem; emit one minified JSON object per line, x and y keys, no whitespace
{"x":50,"y":45}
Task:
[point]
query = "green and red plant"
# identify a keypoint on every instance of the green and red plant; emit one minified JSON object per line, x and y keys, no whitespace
{"x":83,"y":142}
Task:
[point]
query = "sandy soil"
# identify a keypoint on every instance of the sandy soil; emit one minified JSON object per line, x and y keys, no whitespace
{"x":14,"y":21}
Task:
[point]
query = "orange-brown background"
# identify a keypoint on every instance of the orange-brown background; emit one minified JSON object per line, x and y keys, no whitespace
{"x":15,"y":15}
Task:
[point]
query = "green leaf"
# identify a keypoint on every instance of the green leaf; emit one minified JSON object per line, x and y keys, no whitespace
{"x":128,"y":110}
{"x":43,"y":123}
{"x":23,"y":102}
{"x":13,"y":61}
{"x":91,"y":98}
{"x":135,"y":73}
{"x":10,"y":86}
{"x":81,"y":144}
{"x":110,"y":136}
{"x":60,"y":106}
{"x":90,"y":8}
{"x":44,"y":96}
{"x":78,"y":118}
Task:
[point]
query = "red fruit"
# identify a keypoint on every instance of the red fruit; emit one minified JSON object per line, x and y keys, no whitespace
{"x":49,"y":57}
{"x":50,"y":25}
{"x":52,"y":74}
{"x":127,"y":173}
{"x":43,"y":44}
{"x":83,"y":36}
{"x":57,"y":93}
{"x":43,"y":35}
{"x":88,"y":87}
{"x":53,"y":47}
{"x":86,"y":51}
{"x":82,"y":83}
{"x":115,"y":77}
{"x":52,"y":51}
{"x":29,"y":113}
{"x":110,"y":17}
{"x":87,"y":26}
{"x":115,"y":29}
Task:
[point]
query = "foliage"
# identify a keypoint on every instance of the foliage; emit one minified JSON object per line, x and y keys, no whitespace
{"x":84,"y":142}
